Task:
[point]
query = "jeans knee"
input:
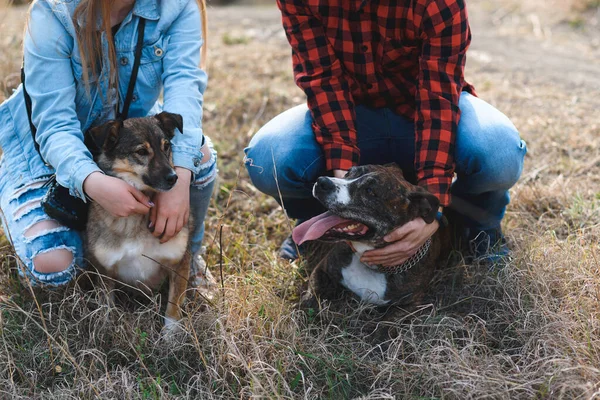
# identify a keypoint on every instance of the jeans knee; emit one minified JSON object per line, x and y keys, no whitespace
{"x":493,"y":164}
{"x":285,"y":175}
{"x":260,"y":169}
{"x":506,"y":167}
{"x":271,"y":168}
{"x":284,"y":155}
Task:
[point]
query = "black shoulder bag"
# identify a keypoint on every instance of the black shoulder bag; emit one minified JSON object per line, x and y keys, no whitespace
{"x":68,"y":210}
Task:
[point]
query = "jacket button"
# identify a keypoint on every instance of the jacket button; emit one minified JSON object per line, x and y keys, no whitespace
{"x":158,"y":52}
{"x":124,"y":61}
{"x":134,"y":98}
{"x":196,"y":162}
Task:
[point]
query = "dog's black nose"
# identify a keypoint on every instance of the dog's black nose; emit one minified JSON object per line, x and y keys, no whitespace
{"x":171,"y":178}
{"x":325,"y":184}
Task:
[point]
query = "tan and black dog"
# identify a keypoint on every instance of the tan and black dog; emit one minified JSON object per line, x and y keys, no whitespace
{"x":367,"y":204}
{"x":138,"y":151}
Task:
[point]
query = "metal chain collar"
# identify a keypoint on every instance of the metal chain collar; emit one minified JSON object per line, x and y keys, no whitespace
{"x":408,"y":264}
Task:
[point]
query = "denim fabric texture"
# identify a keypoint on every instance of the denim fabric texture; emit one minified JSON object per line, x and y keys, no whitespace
{"x":489,"y":158}
{"x":63,"y":108}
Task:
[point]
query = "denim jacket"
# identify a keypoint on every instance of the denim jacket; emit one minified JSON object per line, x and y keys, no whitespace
{"x":62,"y":107}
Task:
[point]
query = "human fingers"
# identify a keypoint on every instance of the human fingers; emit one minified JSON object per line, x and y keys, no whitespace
{"x":160,"y":224}
{"x":170,"y":230}
{"x":399,"y":233}
{"x":140,"y":197}
{"x":396,"y":249}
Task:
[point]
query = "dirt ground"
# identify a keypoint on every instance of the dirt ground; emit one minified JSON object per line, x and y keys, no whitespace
{"x":527,"y":331}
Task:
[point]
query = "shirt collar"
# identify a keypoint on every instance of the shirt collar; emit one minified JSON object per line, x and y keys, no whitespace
{"x":147,"y":9}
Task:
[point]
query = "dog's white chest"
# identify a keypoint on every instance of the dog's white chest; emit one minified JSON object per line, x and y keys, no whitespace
{"x":139,"y":259}
{"x":366,"y":283}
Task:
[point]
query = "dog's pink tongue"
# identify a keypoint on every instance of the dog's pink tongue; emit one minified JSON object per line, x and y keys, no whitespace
{"x":316,"y":227}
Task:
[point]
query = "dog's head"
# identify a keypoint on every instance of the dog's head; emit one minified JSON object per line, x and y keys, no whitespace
{"x":137,"y":150}
{"x":367,"y":204}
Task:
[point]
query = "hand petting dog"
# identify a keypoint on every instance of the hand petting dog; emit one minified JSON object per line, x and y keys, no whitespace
{"x":115,"y":195}
{"x":404,"y":243}
{"x":172,"y":209}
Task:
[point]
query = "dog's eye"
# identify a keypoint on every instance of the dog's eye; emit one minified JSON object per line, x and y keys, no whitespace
{"x":142,"y":152}
{"x":371,"y":192}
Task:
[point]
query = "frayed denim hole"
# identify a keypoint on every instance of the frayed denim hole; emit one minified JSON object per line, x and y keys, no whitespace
{"x":59,"y":277}
{"x":31,"y":237}
{"x":36,"y":184}
{"x":33,"y":194}
{"x":209,"y":168}
{"x":26,"y":208}
{"x":205,"y":180}
{"x":54,"y":260}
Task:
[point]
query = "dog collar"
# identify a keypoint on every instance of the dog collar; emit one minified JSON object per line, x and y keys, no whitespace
{"x":408,"y":264}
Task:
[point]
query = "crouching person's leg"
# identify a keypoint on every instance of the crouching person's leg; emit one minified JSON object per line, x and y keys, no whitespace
{"x":48,"y":253}
{"x":283,"y":161}
{"x":489,"y":161}
{"x":200,"y":194}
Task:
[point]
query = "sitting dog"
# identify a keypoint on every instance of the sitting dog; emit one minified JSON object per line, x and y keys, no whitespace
{"x":138,"y":150}
{"x":363,"y":207}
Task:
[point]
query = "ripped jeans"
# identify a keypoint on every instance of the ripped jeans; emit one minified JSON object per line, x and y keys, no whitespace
{"x":32,"y":233}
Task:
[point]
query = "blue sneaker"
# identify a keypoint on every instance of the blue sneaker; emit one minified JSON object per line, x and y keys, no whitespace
{"x":488,"y":246}
{"x":288,"y":249}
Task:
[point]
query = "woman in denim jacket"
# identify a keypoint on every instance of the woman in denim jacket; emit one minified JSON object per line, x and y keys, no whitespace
{"x":77,"y":74}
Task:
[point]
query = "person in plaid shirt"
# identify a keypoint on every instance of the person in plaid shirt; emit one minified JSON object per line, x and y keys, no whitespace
{"x":384,"y":83}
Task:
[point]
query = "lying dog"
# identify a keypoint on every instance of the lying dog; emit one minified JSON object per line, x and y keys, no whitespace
{"x":363,"y":207}
{"x":138,"y":151}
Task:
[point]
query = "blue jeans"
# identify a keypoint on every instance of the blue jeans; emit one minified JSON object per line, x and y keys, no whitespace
{"x":489,"y":158}
{"x":22,"y":176}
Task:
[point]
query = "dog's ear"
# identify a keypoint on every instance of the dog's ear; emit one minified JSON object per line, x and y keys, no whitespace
{"x":103,"y":137}
{"x":425,"y":203}
{"x":392,"y":165}
{"x":170,"y":121}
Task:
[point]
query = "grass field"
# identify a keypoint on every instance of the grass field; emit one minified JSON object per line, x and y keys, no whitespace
{"x":528,"y":331}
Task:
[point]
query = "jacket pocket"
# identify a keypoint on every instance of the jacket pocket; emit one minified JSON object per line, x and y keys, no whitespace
{"x":151,"y":65}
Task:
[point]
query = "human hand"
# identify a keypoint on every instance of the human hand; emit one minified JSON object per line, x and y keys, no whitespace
{"x":339,"y":173}
{"x":115,"y":195}
{"x":172,"y":209}
{"x":405,"y":241}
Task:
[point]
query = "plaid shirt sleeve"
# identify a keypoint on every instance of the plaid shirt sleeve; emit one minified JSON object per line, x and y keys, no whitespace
{"x":446,"y":37}
{"x":319,"y":73}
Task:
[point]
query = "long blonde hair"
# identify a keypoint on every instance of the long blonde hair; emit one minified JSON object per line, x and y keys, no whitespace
{"x":90,"y":45}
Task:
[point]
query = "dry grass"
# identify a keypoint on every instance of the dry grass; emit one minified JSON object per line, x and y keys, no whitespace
{"x":527,"y":331}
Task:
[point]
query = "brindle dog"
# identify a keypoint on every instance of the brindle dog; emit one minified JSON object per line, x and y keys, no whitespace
{"x":138,"y":150}
{"x":367,"y":204}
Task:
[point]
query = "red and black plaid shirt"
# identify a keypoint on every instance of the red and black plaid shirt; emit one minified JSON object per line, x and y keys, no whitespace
{"x":405,"y":55}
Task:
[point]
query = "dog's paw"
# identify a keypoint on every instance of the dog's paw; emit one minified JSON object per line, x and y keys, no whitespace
{"x":172,"y":328}
{"x":309,"y":302}
{"x":201,"y":278}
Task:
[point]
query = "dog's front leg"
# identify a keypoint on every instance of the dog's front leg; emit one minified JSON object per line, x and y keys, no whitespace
{"x":109,"y":283}
{"x":178,"y":281}
{"x":320,"y":286}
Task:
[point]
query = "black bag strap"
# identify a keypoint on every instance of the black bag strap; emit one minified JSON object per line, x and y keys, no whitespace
{"x":136,"y":66}
{"x":28,"y":108}
{"x":123,"y":114}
